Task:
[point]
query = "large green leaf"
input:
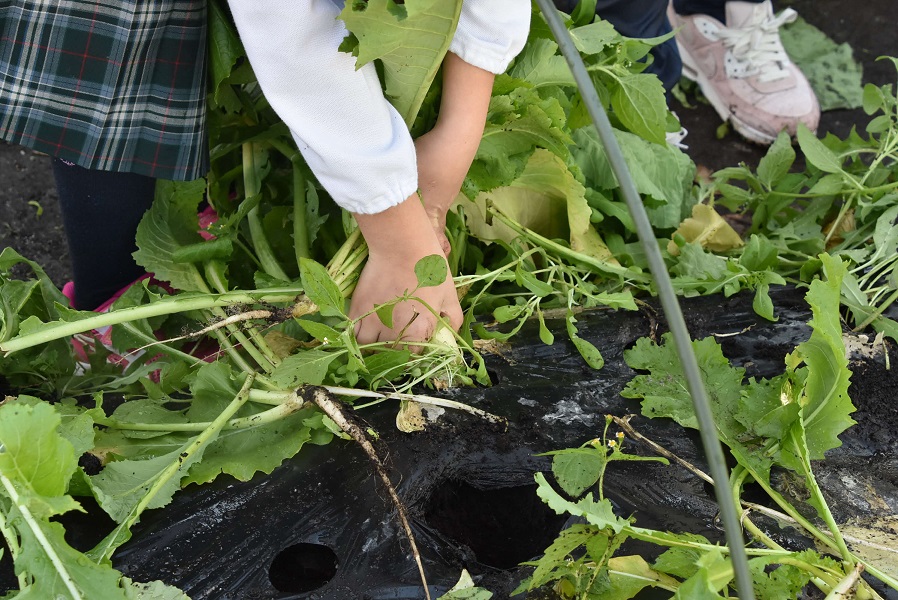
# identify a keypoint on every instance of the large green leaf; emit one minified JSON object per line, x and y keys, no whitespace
{"x":60,"y":571}
{"x":825,"y":406}
{"x":34,"y":455}
{"x":640,"y":104}
{"x":241,"y":452}
{"x":171,"y":224}
{"x":547,"y":199}
{"x":663,"y":174}
{"x":36,"y":465}
{"x":541,"y":65}
{"x":410,"y":40}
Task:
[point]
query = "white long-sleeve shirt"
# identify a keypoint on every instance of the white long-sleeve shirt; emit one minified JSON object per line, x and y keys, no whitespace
{"x":353,"y":139}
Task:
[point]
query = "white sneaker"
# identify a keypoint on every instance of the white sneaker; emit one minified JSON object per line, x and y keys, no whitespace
{"x":744,"y":71}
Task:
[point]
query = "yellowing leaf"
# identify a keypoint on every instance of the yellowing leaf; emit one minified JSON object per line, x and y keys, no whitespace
{"x":547,"y":199}
{"x":709,"y":229}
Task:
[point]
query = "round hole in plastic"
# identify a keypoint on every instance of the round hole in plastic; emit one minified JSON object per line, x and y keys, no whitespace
{"x":302,"y":568}
{"x":502,"y":526}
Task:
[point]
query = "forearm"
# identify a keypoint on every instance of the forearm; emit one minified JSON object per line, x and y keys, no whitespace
{"x":464,"y":104}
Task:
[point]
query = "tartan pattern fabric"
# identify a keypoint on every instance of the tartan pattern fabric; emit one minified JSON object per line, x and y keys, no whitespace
{"x":113,"y":85}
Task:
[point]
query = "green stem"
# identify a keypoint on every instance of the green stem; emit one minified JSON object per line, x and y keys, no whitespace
{"x":737,"y":476}
{"x":301,"y":246}
{"x":253,"y":187}
{"x":177,"y":467}
{"x":255,"y":344}
{"x":173,"y":304}
{"x":335,"y":265}
{"x":38,"y":533}
{"x":12,"y":542}
{"x":878,"y":312}
{"x":602,"y":266}
{"x":290,"y":405}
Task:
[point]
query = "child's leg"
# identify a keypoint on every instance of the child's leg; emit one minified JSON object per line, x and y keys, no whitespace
{"x":641,"y":19}
{"x":712,"y":8}
{"x":100,"y":211}
{"x":646,"y":19}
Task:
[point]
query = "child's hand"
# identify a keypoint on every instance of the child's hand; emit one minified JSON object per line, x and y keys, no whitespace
{"x":397,"y":239}
{"x":445,"y":153}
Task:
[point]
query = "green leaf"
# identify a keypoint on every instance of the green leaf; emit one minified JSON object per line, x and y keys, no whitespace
{"x":661,"y":172}
{"x":816,"y":152}
{"x":204,"y":251}
{"x":834,"y":74}
{"x":784,"y":581}
{"x":60,"y":571}
{"x":601,"y":513}
{"x":577,"y":469}
{"x":630,"y":575}
{"x":528,"y":280}
{"x":681,"y":561}
{"x":225,"y":48}
{"x":34,"y":455}
{"x":826,"y":405}
{"x":306,"y":367}
{"x":639,"y":102}
{"x":594,"y":37}
{"x":541,"y":65}
{"x":169,"y":225}
{"x":154,"y":590}
{"x":319,"y":331}
{"x":321,"y":289}
{"x":431,"y":271}
{"x":241,"y":452}
{"x":466,"y":590}
{"x":556,"y":555}
{"x":410,"y":40}
{"x":759,"y":254}
{"x":122,"y":485}
{"x":663,"y":389}
{"x":545,"y":336}
{"x":385,"y":314}
{"x":777,"y":162}
{"x":762,"y":304}
{"x":587,"y":350}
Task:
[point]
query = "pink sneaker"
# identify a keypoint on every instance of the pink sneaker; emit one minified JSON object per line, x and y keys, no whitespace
{"x":85,"y":343}
{"x":744,"y":71}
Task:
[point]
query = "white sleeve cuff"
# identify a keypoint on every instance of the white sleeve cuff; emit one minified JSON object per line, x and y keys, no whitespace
{"x":491,"y":33}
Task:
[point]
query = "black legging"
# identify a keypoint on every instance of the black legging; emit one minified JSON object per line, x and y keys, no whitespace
{"x":101,"y":211}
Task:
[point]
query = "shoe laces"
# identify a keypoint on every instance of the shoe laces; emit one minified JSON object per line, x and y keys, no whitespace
{"x":758,"y":45}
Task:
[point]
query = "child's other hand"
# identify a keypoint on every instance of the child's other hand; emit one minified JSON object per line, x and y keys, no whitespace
{"x":397,"y":239}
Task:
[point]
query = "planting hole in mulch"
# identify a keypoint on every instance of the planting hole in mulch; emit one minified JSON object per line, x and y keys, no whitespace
{"x":302,"y":568}
{"x":503,"y":526}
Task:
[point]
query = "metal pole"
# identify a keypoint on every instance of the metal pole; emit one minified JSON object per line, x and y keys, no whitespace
{"x":682,"y":339}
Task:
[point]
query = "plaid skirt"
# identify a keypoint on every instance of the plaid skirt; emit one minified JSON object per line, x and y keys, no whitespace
{"x":112,"y":85}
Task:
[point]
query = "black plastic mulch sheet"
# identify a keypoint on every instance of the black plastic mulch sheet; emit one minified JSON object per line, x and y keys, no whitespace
{"x":321,"y":527}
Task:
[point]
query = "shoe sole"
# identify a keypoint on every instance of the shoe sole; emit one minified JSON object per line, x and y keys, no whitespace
{"x":693,"y":73}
